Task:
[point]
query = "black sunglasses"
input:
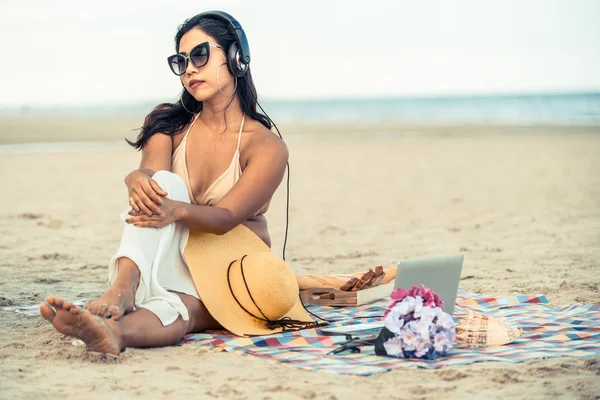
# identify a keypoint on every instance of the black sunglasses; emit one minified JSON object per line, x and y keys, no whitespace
{"x":198,"y":56}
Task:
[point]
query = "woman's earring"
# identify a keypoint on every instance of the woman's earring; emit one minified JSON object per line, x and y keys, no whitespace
{"x":219,"y":86}
{"x":183,"y":104}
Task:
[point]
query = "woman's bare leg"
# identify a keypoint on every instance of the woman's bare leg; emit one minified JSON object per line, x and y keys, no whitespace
{"x":140,"y":328}
{"x":119,"y":299}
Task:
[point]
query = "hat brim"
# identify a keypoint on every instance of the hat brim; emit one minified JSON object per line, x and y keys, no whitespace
{"x":208,"y":256}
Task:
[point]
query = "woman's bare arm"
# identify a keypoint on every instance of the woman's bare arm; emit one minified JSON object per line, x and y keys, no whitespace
{"x":156,"y":154}
{"x":144,"y":193}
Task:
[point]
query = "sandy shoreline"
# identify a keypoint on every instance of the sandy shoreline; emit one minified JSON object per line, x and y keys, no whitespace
{"x":523,"y":205}
{"x":50,"y":129}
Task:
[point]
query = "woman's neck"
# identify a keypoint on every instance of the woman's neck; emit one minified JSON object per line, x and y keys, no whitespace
{"x":218,"y":115}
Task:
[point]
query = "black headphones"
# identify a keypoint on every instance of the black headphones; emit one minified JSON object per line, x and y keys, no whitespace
{"x":238,"y":54}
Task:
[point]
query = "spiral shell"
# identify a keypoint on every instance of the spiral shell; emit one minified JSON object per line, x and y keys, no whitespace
{"x":477,"y":330}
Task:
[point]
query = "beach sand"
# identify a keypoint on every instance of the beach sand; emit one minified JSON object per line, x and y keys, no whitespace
{"x":522,"y":204}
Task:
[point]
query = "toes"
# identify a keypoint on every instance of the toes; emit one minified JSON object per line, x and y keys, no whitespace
{"x":58,"y":302}
{"x":113,"y":312}
{"x":75,"y":310}
{"x":50,"y":300}
{"x":103,"y":310}
{"x":47,"y":312}
{"x":93,"y":307}
{"x":89,"y":305}
{"x":67,"y":305}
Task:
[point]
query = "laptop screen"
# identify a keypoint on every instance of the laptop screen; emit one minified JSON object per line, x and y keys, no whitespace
{"x":439,"y":273}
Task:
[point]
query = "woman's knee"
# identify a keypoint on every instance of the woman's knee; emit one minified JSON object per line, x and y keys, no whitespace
{"x":172,"y":184}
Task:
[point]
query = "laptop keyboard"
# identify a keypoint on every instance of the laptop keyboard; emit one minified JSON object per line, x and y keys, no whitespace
{"x":365,"y":332}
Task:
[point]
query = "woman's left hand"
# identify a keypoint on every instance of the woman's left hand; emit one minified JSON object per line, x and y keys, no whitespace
{"x":170,"y":211}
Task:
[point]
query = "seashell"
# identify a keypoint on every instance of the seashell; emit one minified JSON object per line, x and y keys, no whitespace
{"x":477,"y":330}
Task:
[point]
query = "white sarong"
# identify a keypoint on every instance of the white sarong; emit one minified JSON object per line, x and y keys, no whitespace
{"x":158,"y":253}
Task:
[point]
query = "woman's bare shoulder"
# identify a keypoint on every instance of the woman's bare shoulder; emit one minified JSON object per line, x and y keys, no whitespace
{"x":259,"y":139}
{"x":256,"y":133}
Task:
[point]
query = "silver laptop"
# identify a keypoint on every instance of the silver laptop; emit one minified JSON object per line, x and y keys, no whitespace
{"x":439,"y":273}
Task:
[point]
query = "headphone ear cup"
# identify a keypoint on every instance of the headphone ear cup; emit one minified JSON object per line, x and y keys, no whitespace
{"x":232,"y":55}
{"x":233,"y":61}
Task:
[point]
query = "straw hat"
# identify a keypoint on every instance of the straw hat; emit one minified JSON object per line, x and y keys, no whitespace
{"x":243,"y":284}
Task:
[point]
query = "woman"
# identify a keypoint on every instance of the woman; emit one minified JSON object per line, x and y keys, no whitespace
{"x":209,"y":163}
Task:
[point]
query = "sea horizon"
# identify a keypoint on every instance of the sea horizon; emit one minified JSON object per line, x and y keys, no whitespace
{"x":562,"y":108}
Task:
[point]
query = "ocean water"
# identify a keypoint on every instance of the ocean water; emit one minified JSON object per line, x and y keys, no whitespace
{"x":575,"y":109}
{"x":529,"y":109}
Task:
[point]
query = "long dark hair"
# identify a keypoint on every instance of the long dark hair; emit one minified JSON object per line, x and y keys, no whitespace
{"x":172,"y":118}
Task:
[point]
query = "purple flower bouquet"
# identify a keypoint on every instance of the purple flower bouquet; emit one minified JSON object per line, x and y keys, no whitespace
{"x":415,"y":326}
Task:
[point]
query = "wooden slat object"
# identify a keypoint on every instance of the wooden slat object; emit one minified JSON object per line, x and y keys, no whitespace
{"x":308,"y":281}
{"x":335,"y":297}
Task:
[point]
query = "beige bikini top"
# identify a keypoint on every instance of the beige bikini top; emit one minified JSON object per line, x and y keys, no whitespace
{"x":223,"y":184}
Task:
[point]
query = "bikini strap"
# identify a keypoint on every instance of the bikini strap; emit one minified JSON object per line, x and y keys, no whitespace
{"x":190,"y":127}
{"x":240,"y":132}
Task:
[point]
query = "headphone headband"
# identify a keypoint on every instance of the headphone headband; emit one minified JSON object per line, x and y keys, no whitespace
{"x":237,"y":28}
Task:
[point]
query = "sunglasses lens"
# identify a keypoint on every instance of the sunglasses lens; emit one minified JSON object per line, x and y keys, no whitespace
{"x":199,"y":56}
{"x":177,"y":64}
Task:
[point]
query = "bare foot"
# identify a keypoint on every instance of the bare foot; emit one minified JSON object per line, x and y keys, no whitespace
{"x":115,"y":303}
{"x":98,"y":334}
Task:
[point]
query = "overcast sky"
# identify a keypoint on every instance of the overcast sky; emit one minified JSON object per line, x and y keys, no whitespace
{"x":91,"y":52}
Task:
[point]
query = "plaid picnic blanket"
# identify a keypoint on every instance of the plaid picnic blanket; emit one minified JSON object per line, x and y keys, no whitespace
{"x":547,"y":332}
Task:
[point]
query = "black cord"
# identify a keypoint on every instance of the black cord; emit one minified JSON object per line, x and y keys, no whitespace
{"x":311,"y":313}
{"x":286,"y":323}
{"x":287,"y":207}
